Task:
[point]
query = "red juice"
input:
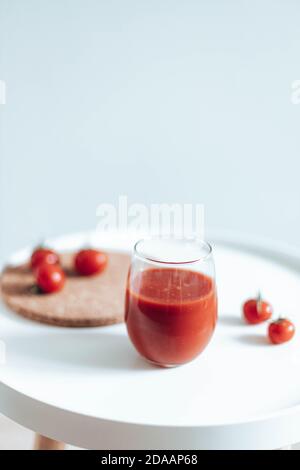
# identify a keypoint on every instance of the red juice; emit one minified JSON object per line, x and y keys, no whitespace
{"x":170,"y":314}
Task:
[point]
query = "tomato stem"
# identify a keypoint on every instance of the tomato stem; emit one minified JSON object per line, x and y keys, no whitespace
{"x":41,"y":244}
{"x":259,"y":301}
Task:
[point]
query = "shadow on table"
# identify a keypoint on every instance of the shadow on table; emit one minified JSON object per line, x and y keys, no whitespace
{"x":106,"y":351}
{"x":230,"y":320}
{"x":253,"y":339}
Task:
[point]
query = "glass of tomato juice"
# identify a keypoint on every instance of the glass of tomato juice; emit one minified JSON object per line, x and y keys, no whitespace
{"x":171,"y":299}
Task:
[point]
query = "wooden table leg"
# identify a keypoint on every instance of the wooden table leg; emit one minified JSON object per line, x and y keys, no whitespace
{"x":45,"y":443}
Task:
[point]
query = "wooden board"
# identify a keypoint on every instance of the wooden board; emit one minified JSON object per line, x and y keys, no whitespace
{"x":84,"y":301}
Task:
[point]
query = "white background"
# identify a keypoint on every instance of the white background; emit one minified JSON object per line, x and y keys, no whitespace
{"x":162,"y":100}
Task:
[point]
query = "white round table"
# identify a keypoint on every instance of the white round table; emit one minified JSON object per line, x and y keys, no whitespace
{"x":88,"y":387}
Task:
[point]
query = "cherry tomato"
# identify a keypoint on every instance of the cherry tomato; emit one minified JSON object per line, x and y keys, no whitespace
{"x":88,"y":262}
{"x":257,"y":310}
{"x":50,"y":278}
{"x":43,"y":256}
{"x":281,"y":331}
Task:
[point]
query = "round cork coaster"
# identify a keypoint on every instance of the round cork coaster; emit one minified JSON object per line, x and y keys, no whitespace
{"x":85,"y":301}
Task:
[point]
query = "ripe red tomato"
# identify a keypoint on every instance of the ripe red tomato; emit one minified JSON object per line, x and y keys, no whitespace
{"x":281,"y":331}
{"x":43,"y":256}
{"x":257,"y":310}
{"x":50,"y":278}
{"x":88,"y":262}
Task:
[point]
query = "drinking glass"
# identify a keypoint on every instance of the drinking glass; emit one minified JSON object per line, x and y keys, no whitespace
{"x":171,"y":299}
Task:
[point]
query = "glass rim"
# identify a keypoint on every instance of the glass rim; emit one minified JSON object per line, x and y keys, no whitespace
{"x":153,"y":259}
